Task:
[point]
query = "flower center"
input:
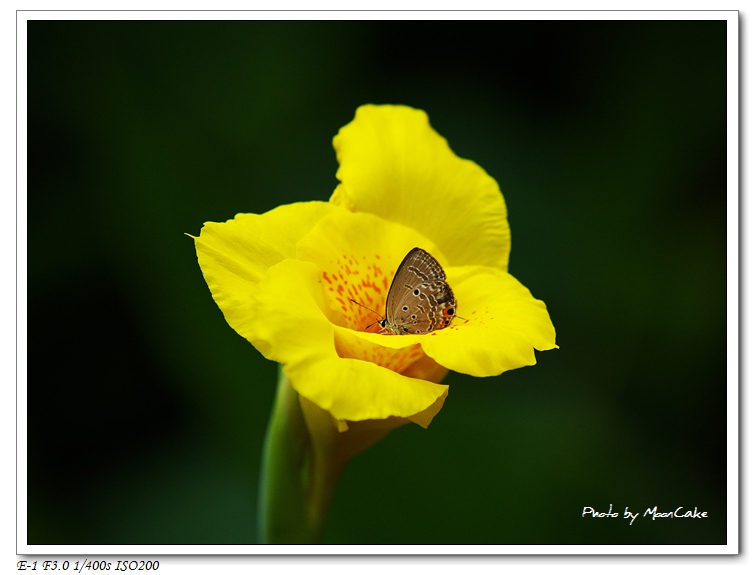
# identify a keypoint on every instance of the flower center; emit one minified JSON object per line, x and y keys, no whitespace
{"x":356,"y":279}
{"x":365,"y":281}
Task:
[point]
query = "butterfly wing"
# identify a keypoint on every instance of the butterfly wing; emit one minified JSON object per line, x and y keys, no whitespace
{"x":419,"y":299}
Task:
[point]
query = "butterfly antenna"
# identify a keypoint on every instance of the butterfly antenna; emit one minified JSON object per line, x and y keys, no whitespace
{"x":368,"y":309}
{"x":365,"y":307}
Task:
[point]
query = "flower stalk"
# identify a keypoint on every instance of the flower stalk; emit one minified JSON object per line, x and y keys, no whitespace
{"x":298,"y":475}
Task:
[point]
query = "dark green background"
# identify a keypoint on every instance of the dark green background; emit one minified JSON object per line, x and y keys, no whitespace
{"x":147,"y":411}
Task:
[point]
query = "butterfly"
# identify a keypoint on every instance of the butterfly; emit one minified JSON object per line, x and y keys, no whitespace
{"x":419,"y":299}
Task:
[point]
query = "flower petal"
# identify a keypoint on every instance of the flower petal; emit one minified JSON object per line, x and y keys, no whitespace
{"x":497,"y":325}
{"x":502,"y":325}
{"x":356,"y":390}
{"x":250,"y":243}
{"x":395,"y":165}
{"x":235,"y":255}
{"x":290,"y":325}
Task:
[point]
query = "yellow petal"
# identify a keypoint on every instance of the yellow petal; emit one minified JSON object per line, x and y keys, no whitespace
{"x":288,"y":321}
{"x":235,"y":255}
{"x":250,"y":243}
{"x":356,"y":390}
{"x":395,"y":165}
{"x":428,"y":369}
{"x":424,"y":418}
{"x":502,"y":325}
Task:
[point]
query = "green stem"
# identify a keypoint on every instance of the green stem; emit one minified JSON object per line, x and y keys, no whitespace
{"x":297,"y":477}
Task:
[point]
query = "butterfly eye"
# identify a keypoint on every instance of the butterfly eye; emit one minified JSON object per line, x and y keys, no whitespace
{"x":448,"y":312}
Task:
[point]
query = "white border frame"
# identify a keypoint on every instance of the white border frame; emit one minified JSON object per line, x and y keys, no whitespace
{"x":733,"y":295}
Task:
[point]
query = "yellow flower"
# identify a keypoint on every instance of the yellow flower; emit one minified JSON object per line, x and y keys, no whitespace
{"x":285,"y":279}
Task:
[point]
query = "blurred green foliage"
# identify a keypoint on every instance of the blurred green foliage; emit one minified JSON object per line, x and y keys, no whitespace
{"x":147,"y":412}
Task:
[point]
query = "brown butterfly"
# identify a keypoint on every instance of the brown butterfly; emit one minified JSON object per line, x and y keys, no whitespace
{"x":419,"y":299}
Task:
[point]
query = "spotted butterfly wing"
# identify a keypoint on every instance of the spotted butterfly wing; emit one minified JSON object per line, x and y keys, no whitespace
{"x":419,"y":299}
